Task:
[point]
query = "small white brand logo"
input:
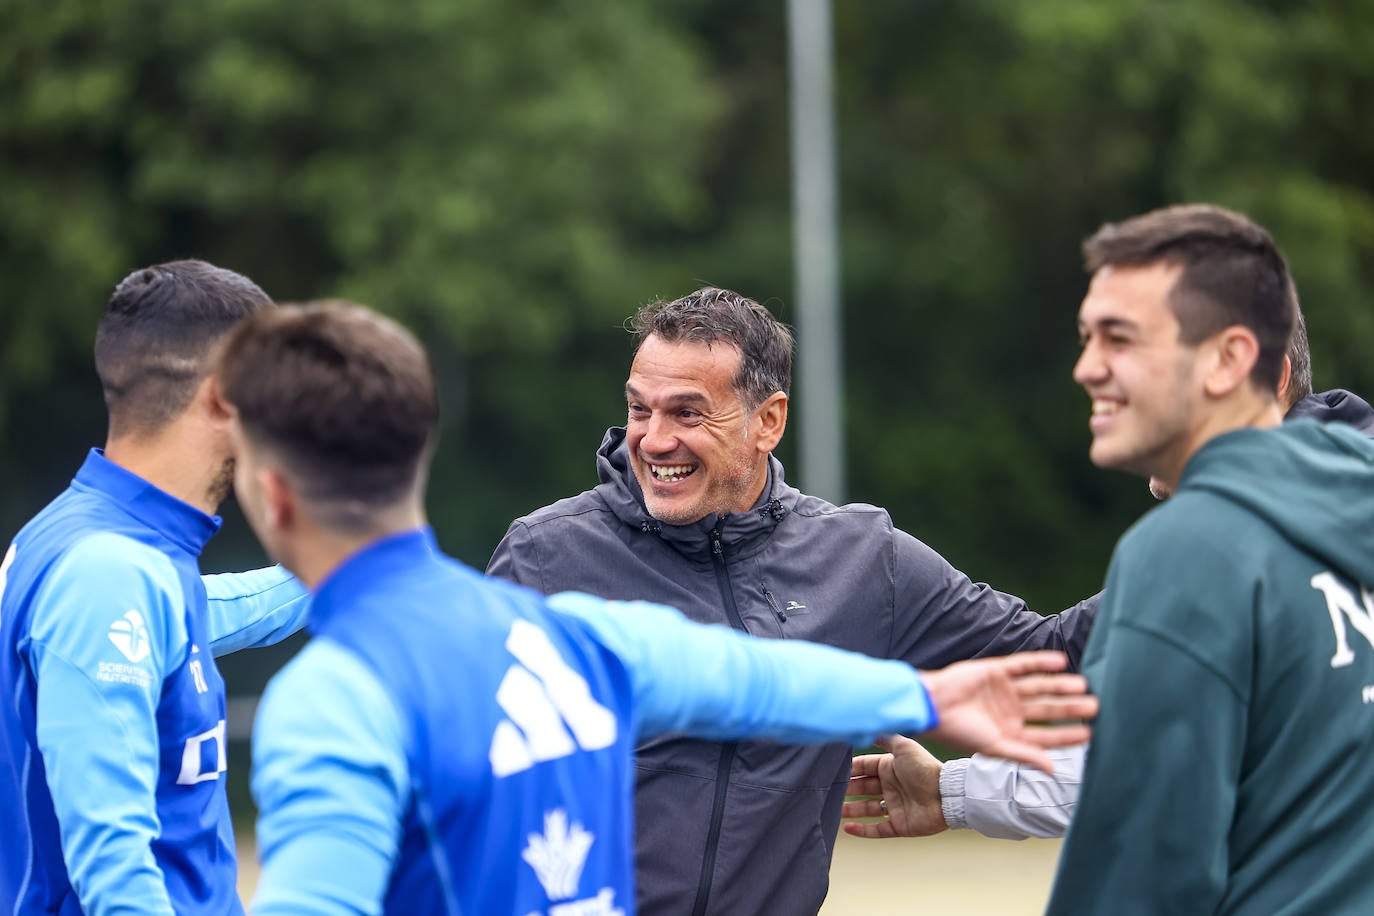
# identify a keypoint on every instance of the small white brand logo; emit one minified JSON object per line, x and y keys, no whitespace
{"x":130,"y":636}
{"x":557,"y":857}
{"x":795,"y":606}
{"x":120,"y":673}
{"x":198,"y":672}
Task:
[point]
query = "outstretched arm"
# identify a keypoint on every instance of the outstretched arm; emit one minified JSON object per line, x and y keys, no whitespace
{"x":715,"y":683}
{"x":252,"y":609}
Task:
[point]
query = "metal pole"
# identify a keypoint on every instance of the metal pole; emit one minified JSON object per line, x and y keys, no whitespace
{"x":819,"y":375}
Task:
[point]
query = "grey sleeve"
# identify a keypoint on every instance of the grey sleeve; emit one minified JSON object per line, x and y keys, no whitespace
{"x":941,"y":616}
{"x":516,"y":558}
{"x":1008,"y":801}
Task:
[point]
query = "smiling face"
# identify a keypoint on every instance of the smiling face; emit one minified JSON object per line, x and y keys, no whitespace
{"x":1145,"y":384}
{"x":695,"y":448}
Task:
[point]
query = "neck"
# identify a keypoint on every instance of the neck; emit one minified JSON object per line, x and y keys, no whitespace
{"x":1241,"y":413}
{"x":317,"y":554}
{"x":759,"y":488}
{"x":177,"y":461}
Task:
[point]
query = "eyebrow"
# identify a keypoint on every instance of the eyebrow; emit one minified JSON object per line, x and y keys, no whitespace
{"x":1107,"y":324}
{"x":691,"y":397}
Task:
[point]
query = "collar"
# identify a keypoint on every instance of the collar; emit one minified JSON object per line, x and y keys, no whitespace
{"x":737,"y":530}
{"x":181,"y":523}
{"x":380,"y":560}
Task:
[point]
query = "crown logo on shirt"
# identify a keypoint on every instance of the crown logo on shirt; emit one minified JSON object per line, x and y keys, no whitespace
{"x":557,"y":857}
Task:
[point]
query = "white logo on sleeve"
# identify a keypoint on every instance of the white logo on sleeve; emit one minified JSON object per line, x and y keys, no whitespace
{"x":544,"y":699}
{"x":130,"y":636}
{"x":557,"y":857}
{"x":5,"y":570}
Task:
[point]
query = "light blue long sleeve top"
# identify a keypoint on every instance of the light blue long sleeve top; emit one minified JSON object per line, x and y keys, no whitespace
{"x":114,"y":735}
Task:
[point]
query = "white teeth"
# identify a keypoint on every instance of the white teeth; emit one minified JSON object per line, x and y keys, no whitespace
{"x":1103,"y":408}
{"x":671,"y":472}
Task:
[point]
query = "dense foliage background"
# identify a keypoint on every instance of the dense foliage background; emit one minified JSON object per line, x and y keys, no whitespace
{"x":512,"y":178}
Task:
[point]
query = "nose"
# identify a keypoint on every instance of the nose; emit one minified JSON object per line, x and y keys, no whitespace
{"x":659,"y":437}
{"x":1090,"y":368}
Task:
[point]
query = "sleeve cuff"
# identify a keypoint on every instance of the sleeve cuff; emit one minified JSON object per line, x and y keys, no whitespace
{"x":952,"y":776}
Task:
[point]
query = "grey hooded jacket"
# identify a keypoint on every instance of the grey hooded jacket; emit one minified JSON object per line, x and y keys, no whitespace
{"x":748,"y":828}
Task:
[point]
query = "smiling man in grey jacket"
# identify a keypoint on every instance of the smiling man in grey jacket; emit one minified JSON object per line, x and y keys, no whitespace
{"x":692,"y":510}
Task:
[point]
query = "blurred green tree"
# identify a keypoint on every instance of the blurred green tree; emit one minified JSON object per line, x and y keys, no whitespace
{"x":486,"y":171}
{"x":513,"y":178}
{"x":980,"y":147}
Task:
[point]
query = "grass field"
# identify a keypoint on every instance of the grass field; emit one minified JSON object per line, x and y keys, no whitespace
{"x":955,"y":872}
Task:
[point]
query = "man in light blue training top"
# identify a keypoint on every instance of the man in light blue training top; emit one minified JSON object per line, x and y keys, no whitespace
{"x":450,"y":743}
{"x":112,"y":726}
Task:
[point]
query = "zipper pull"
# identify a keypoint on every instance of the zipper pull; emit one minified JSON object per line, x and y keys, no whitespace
{"x":773,"y":603}
{"x":715,"y":542}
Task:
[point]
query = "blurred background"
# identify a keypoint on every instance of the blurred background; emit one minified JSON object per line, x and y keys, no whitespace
{"x":513,"y":178}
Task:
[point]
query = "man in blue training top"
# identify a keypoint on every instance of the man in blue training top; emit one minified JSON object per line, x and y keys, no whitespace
{"x":450,"y":743}
{"x":112,"y":736}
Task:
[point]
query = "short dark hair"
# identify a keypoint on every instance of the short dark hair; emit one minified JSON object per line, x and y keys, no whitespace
{"x":712,"y":315}
{"x":1300,"y":361}
{"x":154,"y":344}
{"x":1232,"y":274}
{"x":342,"y":396}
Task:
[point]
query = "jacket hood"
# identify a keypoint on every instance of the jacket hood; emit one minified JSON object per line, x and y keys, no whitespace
{"x":1336,"y":406}
{"x":1313,"y":482}
{"x":620,"y":489}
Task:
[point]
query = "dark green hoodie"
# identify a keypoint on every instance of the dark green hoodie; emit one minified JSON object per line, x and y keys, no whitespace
{"x":1232,"y":766}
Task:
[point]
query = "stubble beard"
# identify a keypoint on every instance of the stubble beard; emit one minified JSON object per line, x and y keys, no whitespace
{"x":222,"y":484}
{"x":720,"y":499}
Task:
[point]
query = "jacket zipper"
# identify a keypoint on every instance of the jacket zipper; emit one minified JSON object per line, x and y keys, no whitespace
{"x":727,"y":750}
{"x":773,"y":603}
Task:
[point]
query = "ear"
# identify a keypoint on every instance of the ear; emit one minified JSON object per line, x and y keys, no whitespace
{"x":280,"y":508}
{"x":1235,"y":351}
{"x":772,"y":420}
{"x":1285,"y":377}
{"x":211,"y":395}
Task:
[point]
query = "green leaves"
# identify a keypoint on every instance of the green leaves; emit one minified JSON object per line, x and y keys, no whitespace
{"x":512,"y":178}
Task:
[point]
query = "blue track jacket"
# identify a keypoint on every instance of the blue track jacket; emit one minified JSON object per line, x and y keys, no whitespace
{"x":450,"y":743}
{"x":113,"y":720}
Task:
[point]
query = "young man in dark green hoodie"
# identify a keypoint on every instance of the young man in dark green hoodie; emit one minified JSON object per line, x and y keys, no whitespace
{"x":1234,"y":651}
